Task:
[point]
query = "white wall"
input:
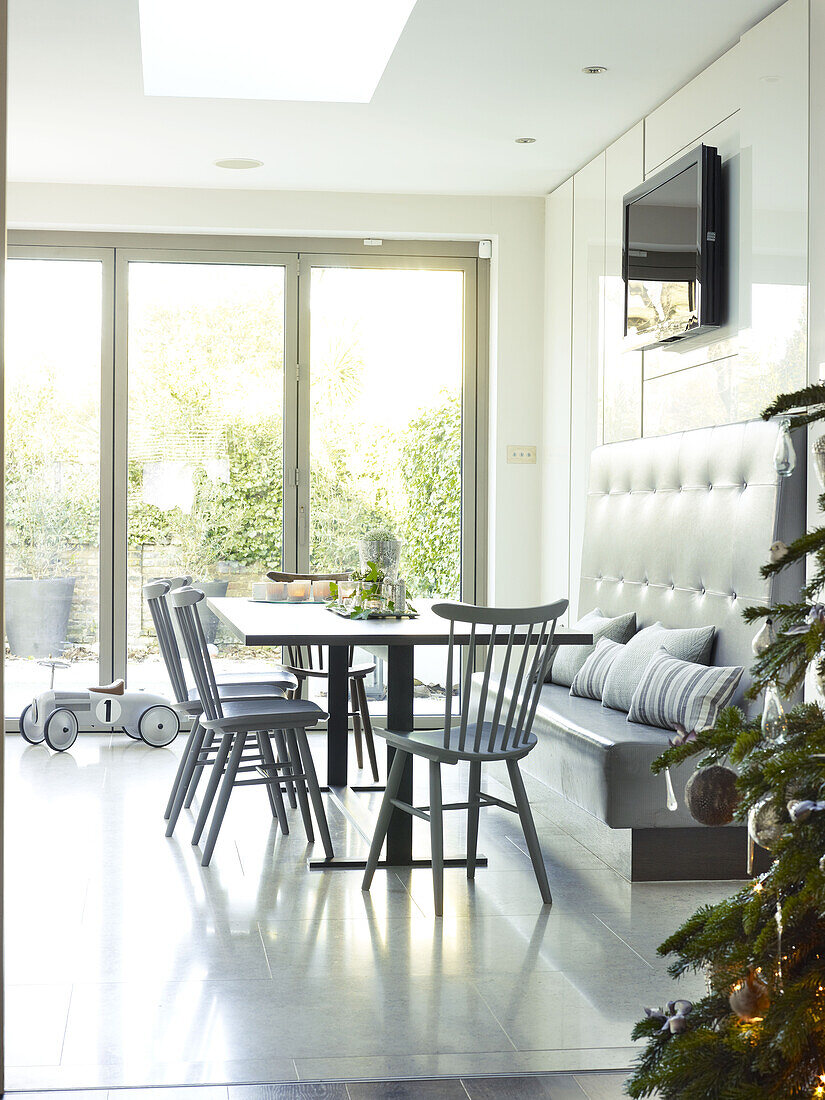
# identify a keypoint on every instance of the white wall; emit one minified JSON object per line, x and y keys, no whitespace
{"x":516,"y":227}
{"x":752,"y":104}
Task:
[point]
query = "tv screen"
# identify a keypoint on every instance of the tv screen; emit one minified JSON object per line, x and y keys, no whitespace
{"x":672,"y":252}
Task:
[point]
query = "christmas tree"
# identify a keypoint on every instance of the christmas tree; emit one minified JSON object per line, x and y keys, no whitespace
{"x":760,"y":1030}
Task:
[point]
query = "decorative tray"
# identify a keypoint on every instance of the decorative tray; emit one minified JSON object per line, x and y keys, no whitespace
{"x":253,"y":600}
{"x":336,"y":609}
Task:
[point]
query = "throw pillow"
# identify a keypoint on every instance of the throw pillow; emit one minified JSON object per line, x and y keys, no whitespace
{"x":673,"y":692}
{"x":570,"y":658}
{"x":628,"y":668}
{"x":589,"y":680}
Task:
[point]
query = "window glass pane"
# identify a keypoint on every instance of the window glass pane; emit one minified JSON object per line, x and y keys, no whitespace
{"x":53,"y":343}
{"x":205,"y":492}
{"x":386,"y":368}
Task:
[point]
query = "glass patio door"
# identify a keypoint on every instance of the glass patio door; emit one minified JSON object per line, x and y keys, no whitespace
{"x":387,"y":432}
{"x":58,"y":364}
{"x":207,"y":430}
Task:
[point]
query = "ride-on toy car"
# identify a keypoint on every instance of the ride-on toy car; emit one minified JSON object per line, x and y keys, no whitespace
{"x":53,"y":715}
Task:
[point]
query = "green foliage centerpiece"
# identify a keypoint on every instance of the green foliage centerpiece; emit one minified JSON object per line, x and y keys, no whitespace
{"x":760,"y":1030}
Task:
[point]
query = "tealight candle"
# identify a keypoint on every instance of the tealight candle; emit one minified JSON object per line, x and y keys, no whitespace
{"x":276,"y":590}
{"x":259,"y":591}
{"x":321,"y":590}
{"x":299,"y":590}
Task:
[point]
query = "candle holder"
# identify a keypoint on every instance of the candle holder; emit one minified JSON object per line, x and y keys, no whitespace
{"x":298,"y":591}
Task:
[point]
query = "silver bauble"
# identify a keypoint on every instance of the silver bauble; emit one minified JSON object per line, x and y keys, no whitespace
{"x":767,"y":822}
{"x":819,"y":459}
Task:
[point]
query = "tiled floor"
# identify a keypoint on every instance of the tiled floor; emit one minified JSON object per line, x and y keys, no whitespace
{"x":604,"y":1086}
{"x":128,"y":964}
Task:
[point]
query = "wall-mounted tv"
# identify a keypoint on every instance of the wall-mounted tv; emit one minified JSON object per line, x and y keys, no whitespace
{"x":673,"y":249}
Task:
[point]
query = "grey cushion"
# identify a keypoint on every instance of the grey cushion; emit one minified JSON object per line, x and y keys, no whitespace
{"x":590,"y":679}
{"x":570,"y":658}
{"x":688,"y":645}
{"x":674,"y":693}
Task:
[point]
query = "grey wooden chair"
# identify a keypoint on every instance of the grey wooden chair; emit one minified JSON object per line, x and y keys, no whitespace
{"x":199,"y":750}
{"x":307,"y":662}
{"x":235,"y":721}
{"x":505,"y":735}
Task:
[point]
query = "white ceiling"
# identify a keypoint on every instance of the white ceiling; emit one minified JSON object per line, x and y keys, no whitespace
{"x":466,"y":79}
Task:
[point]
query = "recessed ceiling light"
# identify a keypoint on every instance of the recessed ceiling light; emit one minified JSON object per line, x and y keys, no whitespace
{"x":321,"y":50}
{"x":525,"y":141}
{"x":239,"y":163}
{"x":594,"y":70}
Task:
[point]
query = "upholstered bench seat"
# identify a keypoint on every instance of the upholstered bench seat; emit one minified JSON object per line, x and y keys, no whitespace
{"x":600,"y":762}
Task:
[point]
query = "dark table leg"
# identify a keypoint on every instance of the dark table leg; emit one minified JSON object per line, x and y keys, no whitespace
{"x":338,"y":723}
{"x":400,"y":717}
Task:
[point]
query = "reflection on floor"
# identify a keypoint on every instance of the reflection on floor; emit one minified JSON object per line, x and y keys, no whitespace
{"x":128,"y":964}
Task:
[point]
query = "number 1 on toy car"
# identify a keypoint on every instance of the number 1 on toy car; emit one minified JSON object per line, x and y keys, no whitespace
{"x":107,"y":711}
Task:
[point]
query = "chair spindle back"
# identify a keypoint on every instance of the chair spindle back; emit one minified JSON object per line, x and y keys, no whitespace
{"x":531,"y":629}
{"x":185,"y":602}
{"x":156,"y":593}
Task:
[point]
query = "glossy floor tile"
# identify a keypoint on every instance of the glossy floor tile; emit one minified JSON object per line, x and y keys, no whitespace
{"x":130,"y":965}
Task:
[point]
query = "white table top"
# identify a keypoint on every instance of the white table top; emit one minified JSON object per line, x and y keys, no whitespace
{"x":274,"y":624}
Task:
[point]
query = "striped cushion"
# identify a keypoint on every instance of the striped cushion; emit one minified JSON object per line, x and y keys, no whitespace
{"x":588,"y":682}
{"x":673,"y":691}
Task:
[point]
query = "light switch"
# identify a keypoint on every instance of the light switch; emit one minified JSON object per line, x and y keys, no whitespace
{"x":521,"y":452}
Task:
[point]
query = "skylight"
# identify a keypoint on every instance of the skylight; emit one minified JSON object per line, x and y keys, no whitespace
{"x":322,"y":50}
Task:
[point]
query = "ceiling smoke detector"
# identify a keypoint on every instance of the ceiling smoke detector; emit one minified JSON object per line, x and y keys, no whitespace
{"x":525,"y":141}
{"x":594,"y":70}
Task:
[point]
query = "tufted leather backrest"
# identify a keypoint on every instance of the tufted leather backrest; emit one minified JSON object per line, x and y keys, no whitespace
{"x":677,"y":527}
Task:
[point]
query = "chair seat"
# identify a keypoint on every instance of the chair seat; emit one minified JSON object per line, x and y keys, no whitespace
{"x":251,"y":689}
{"x":430,"y":744}
{"x":354,"y":671}
{"x":278,"y":677}
{"x":252,"y":715}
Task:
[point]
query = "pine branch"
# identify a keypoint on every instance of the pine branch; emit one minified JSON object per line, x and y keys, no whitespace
{"x":813,"y":395}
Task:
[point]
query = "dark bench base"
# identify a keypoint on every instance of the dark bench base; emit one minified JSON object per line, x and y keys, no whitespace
{"x":702,"y":853}
{"x":653,"y":855}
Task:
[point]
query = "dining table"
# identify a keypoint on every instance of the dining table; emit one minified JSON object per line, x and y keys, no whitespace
{"x":258,"y":623}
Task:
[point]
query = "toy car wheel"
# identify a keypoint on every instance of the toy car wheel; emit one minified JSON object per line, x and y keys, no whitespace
{"x":61,"y":730}
{"x":158,"y":726}
{"x":30,"y":730}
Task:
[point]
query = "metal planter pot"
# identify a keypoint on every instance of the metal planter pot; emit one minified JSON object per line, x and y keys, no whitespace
{"x":37,"y":614}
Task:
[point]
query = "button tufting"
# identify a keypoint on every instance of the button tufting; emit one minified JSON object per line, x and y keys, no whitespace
{"x":672,"y":586}
{"x":744,"y":485}
{"x":733,"y":595}
{"x":702,"y":591}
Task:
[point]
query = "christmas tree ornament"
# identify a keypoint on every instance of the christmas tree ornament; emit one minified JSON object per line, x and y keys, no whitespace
{"x":774,"y":720}
{"x":818,"y":450}
{"x":674,"y":1018}
{"x":777,"y":552}
{"x":784,"y":455}
{"x":766,"y":823}
{"x":763,"y":638}
{"x":749,"y":998}
{"x":800,"y":810}
{"x":711,"y":795}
